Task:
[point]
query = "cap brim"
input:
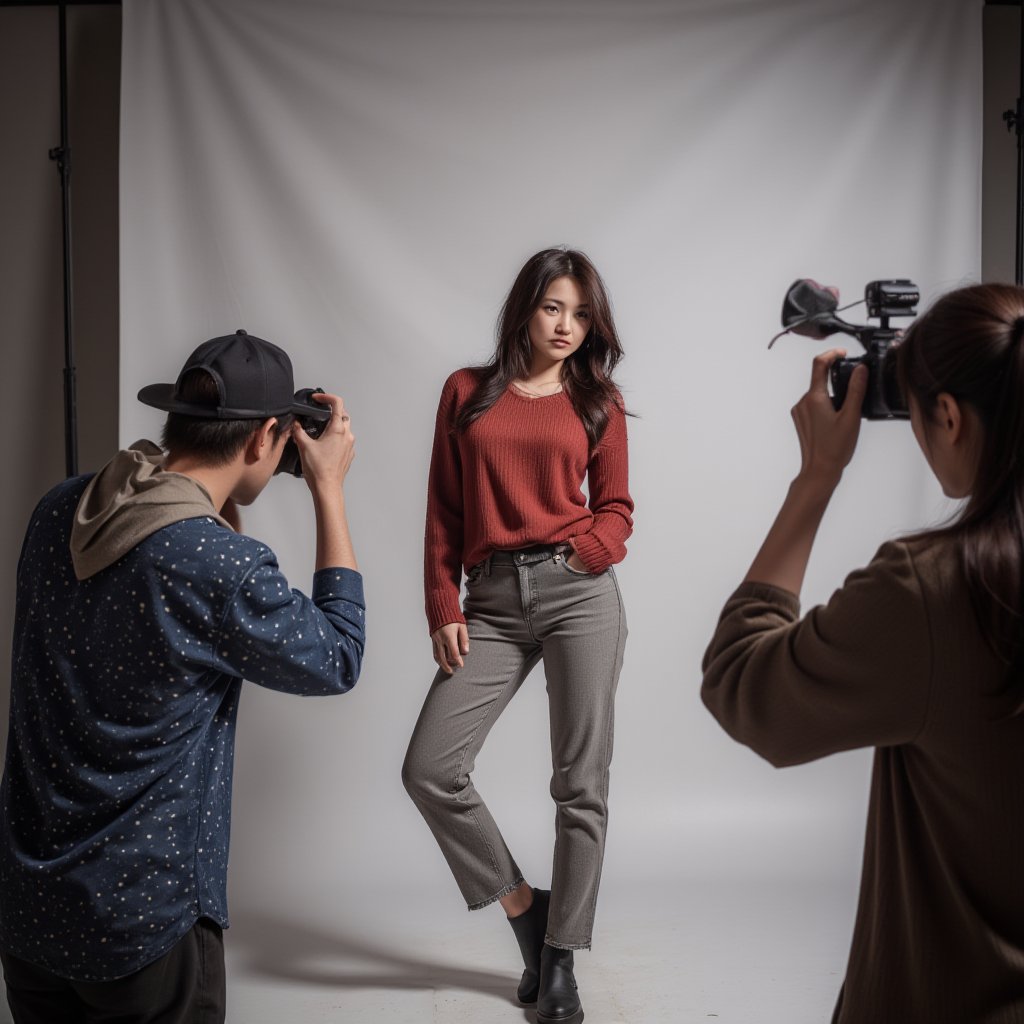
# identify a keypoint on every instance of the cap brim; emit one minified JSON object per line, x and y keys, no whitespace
{"x":161,"y":396}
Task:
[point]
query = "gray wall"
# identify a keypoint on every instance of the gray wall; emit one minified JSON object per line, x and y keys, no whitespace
{"x":999,"y":164}
{"x":30,"y":292}
{"x":31,"y":310}
{"x":359,"y":182}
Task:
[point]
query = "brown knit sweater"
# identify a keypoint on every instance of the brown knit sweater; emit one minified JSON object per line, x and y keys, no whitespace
{"x":513,"y":480}
{"x":896,"y":661}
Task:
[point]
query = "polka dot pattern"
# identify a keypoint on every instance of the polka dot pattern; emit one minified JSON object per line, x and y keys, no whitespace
{"x":115,"y":806}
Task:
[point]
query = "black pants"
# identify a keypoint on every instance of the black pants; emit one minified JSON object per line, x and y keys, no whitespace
{"x":185,"y":986}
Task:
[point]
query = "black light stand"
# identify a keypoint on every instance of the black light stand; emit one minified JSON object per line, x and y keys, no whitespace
{"x":1015,"y":121}
{"x":62,"y":155}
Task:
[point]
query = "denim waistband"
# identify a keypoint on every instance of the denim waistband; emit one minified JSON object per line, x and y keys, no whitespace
{"x":528,"y":556}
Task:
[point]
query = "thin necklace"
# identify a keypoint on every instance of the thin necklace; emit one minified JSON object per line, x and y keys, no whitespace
{"x":539,"y":394}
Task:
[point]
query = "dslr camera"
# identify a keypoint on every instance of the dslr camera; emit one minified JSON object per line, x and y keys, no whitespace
{"x":810,"y":310}
{"x":314,"y":422}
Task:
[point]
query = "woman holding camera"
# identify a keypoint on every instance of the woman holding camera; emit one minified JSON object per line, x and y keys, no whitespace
{"x":514,"y":440}
{"x":920,"y":655}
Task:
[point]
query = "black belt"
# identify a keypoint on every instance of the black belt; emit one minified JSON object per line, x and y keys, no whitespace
{"x":529,"y":556}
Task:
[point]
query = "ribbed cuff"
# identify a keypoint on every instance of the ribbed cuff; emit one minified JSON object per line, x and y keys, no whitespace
{"x":593,"y":554}
{"x":441,"y":612}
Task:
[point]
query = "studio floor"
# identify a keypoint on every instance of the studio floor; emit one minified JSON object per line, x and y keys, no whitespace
{"x":750,"y":953}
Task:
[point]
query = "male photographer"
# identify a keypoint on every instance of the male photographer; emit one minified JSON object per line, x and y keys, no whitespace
{"x":139,"y":611}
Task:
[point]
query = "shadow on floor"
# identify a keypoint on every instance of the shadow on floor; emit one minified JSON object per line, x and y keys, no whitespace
{"x":278,"y":947}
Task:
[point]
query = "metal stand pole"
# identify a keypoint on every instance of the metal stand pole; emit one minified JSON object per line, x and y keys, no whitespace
{"x":1015,"y":121}
{"x":62,"y":155}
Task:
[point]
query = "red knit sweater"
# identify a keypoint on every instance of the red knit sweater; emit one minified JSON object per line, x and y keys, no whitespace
{"x":513,"y":480}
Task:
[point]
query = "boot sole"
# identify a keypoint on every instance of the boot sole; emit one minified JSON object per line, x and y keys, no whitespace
{"x":576,"y":1018}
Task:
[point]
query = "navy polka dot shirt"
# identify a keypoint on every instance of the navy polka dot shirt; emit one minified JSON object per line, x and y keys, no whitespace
{"x":115,"y":806}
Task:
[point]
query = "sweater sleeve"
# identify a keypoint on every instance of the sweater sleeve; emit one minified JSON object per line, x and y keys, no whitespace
{"x":853,"y":673}
{"x":604,"y":543}
{"x":442,"y":548}
{"x":284,"y":640}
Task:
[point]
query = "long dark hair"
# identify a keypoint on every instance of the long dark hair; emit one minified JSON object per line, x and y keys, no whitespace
{"x":969,"y":345}
{"x":586,"y":374}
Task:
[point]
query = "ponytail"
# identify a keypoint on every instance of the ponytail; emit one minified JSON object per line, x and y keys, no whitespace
{"x":970,"y":345}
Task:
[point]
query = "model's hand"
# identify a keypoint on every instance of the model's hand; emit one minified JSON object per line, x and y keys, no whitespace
{"x":576,"y":563}
{"x":450,"y":643}
{"x":326,"y":459}
{"x":828,"y":437}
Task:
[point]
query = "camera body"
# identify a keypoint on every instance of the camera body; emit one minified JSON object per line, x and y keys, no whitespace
{"x":810,"y":310}
{"x":314,"y":422}
{"x":883,"y":400}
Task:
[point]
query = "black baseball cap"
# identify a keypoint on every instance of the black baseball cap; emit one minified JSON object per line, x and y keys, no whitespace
{"x":254,"y":381}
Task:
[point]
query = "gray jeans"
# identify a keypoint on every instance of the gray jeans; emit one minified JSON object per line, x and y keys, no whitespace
{"x":522,"y":607}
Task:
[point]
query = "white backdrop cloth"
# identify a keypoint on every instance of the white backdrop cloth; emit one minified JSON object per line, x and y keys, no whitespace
{"x":360,"y":181}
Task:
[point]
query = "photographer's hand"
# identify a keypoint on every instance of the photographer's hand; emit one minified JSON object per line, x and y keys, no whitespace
{"x":325,"y":463}
{"x":828,"y":437}
{"x":827,"y":442}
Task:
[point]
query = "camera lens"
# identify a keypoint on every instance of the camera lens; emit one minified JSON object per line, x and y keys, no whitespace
{"x":895,"y":400}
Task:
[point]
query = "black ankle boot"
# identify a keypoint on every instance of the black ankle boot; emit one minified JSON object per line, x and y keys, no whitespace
{"x":558,"y":1001}
{"x":530,"y":927}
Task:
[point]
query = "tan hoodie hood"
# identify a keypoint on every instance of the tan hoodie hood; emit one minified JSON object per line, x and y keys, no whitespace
{"x":130,"y":498}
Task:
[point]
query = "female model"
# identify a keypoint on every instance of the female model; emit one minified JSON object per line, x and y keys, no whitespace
{"x":919,"y":655}
{"x":513,"y":443}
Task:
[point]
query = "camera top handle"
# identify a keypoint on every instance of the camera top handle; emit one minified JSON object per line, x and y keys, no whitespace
{"x":810,"y":309}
